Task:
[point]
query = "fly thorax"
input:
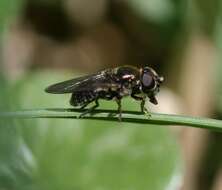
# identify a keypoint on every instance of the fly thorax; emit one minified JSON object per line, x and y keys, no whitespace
{"x":125,"y":91}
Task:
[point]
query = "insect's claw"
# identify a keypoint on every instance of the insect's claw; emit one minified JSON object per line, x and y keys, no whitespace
{"x":82,"y":108}
{"x":115,"y":114}
{"x":144,"y":109}
{"x":120,"y":117}
{"x":111,"y":114}
{"x":146,"y":112}
{"x":83,"y":114}
{"x":90,"y":110}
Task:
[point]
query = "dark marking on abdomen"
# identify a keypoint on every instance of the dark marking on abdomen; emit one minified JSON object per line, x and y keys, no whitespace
{"x":82,"y":98}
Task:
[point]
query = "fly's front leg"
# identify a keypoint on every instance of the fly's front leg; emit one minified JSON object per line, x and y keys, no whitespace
{"x":143,"y":108}
{"x":118,"y":101}
{"x":142,"y":103}
{"x":90,"y":110}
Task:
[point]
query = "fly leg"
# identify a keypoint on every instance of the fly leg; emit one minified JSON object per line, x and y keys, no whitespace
{"x":83,"y":107}
{"x":118,"y":101}
{"x":143,"y":108}
{"x":90,"y":110}
{"x":142,"y":104}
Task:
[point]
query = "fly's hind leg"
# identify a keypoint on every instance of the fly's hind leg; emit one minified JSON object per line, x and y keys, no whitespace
{"x":90,"y":110}
{"x":83,"y":107}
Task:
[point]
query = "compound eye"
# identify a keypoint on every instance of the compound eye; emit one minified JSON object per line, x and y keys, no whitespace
{"x":148,"y":81}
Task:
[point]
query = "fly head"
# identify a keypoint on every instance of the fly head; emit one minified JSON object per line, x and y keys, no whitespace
{"x":150,"y":83}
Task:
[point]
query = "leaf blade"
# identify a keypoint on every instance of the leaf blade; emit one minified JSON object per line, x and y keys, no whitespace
{"x":127,"y":116}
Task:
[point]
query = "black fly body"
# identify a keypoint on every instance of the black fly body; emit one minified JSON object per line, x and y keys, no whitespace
{"x":111,"y":84}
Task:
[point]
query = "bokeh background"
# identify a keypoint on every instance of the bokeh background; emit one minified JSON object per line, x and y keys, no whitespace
{"x":46,"y":41}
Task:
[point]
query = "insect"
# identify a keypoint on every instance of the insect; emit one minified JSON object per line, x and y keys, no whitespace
{"x":111,"y":84}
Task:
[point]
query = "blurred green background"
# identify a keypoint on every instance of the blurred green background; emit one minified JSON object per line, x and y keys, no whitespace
{"x":46,"y":41}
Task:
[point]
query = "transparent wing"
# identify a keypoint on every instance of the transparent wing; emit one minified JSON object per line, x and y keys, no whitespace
{"x":80,"y":84}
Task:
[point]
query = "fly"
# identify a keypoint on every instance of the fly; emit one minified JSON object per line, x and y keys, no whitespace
{"x":111,"y":84}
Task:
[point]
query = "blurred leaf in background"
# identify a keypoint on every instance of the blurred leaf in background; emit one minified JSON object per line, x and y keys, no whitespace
{"x":9,"y":9}
{"x":218,"y":39}
{"x":13,"y":167}
{"x":10,"y":142}
{"x":79,"y":154}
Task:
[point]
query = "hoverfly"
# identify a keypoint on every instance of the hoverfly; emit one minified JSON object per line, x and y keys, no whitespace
{"x":111,"y":84}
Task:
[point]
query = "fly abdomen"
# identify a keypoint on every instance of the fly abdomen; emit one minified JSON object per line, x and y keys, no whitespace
{"x":82,"y":98}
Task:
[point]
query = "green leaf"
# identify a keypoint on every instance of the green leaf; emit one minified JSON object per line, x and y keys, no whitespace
{"x":127,"y":116}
